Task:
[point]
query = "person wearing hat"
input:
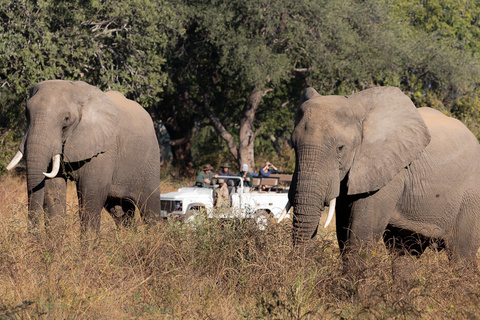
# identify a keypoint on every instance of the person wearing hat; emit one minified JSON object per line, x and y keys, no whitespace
{"x":222,"y":194}
{"x":247,"y":176}
{"x":226,"y":172}
{"x":205,"y":176}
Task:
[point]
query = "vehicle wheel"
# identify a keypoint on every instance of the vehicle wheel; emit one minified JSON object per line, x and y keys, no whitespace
{"x":189,"y":216}
{"x":194,"y":215}
{"x":263,"y":219}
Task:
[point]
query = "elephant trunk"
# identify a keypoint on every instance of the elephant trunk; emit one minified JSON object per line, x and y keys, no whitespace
{"x":313,"y":189}
{"x":38,"y":154}
{"x":306,"y":217}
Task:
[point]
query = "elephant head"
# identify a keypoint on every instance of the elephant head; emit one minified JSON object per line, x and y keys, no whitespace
{"x":70,"y":119}
{"x":359,"y":141}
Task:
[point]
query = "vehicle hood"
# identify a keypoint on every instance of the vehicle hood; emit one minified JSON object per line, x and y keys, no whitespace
{"x":188,"y":192}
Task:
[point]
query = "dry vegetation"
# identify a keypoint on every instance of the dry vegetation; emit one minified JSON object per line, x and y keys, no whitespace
{"x":217,"y":270}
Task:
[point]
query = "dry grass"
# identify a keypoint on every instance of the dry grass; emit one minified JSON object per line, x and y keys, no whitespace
{"x":217,"y":270}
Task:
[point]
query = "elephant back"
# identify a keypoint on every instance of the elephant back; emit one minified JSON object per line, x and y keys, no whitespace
{"x":132,"y":113}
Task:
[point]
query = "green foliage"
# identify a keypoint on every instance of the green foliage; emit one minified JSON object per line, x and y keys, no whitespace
{"x":178,"y":58}
{"x":208,"y":147}
{"x":109,"y":44}
{"x":449,"y":19}
{"x":441,"y":44}
{"x":8,"y":148}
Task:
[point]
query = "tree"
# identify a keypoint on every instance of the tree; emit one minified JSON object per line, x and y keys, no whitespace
{"x":111,"y":45}
{"x":443,"y":48}
{"x":239,"y":66}
{"x":233,"y":54}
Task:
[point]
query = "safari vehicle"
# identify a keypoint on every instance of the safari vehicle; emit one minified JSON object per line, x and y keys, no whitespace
{"x":245,"y":203}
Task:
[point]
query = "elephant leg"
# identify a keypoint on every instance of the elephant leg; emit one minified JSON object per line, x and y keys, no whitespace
{"x":36,"y":201}
{"x":93,"y":188}
{"x":91,"y":204}
{"x":462,"y":245}
{"x":55,"y":203}
{"x":406,"y":247}
{"x":363,"y":221}
{"x":122,"y":212}
{"x":372,"y":213}
{"x":150,"y":207}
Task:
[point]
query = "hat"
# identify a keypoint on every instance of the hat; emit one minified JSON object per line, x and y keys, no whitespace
{"x":207,"y":167}
{"x":225,"y":165}
{"x":245,"y":167}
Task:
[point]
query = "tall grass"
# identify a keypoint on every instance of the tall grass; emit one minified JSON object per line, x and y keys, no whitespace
{"x":210,"y":270}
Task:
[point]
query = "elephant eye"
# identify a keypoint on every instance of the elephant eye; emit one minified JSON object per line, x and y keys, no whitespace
{"x":66,"y":121}
{"x":340,"y":148}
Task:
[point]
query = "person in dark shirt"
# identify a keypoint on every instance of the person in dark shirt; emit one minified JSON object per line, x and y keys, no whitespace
{"x":226,"y":172}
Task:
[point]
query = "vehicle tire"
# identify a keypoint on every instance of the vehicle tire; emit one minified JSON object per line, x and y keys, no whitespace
{"x":263,"y":219}
{"x":193,"y":214}
{"x":189,"y":217}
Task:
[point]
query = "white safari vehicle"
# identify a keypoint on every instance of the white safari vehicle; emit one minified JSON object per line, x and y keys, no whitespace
{"x":245,"y":203}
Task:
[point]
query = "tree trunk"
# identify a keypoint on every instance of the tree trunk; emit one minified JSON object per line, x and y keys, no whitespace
{"x":182,"y":155}
{"x":245,"y":153}
{"x":247,"y":135}
{"x":180,"y":132}
{"x":181,"y":144}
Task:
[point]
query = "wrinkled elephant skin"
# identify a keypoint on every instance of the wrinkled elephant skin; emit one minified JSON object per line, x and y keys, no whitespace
{"x":405,"y":174}
{"x":103,"y":141}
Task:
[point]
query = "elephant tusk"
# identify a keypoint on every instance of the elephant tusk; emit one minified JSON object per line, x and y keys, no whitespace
{"x":284,"y":212}
{"x":331,"y":209}
{"x":15,"y":160}
{"x":55,"y":168}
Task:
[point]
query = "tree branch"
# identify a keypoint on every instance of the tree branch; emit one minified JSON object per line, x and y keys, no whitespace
{"x":302,"y":70}
{"x":220,"y":128}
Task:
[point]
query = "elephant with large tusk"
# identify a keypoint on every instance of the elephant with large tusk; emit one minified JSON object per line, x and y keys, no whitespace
{"x":405,"y":174}
{"x":103,"y":141}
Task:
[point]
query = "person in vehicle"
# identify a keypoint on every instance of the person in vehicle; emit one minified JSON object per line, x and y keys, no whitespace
{"x":225,"y":171}
{"x":205,"y":176}
{"x":222,"y":194}
{"x":265,"y":172}
{"x":247,"y":176}
{"x":267,"y":169}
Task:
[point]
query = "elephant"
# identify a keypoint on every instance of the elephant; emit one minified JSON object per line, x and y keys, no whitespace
{"x":104,"y":142}
{"x":407,"y":176}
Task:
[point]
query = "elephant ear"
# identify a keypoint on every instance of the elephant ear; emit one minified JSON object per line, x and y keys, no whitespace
{"x":394,"y":134}
{"x":96,"y":131}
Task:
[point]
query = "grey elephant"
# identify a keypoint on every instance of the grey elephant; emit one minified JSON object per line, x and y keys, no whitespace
{"x":103,"y":141}
{"x":411,"y":176}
